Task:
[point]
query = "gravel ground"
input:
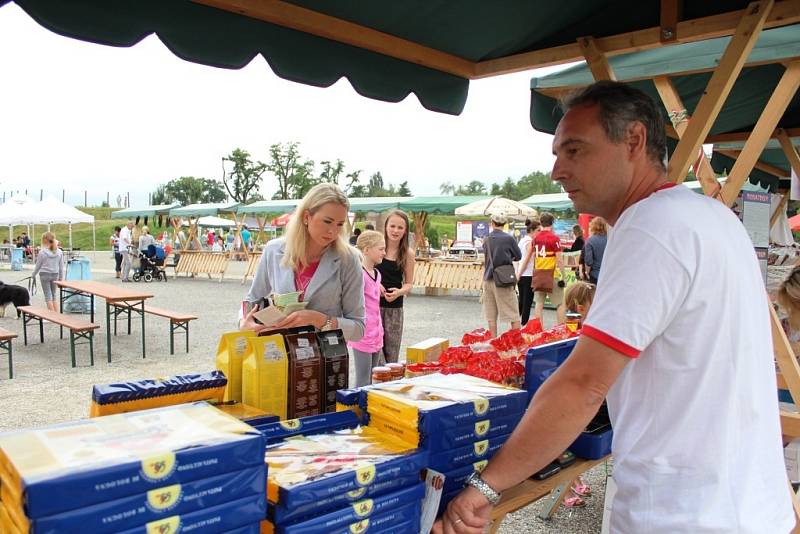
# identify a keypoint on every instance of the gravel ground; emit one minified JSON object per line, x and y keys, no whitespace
{"x":46,"y":389}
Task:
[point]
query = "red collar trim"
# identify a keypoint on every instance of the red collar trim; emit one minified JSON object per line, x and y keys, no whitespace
{"x":665,"y":186}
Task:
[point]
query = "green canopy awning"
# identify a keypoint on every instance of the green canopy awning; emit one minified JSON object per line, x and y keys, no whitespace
{"x":386,"y":50}
{"x":740,"y":112}
{"x":438,"y":204}
{"x":376,"y":204}
{"x":269,"y":206}
{"x":201,"y":210}
{"x":144,"y":211}
{"x":549,"y":202}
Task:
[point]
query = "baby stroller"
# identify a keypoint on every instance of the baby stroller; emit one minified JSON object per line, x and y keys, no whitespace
{"x":148,"y":265}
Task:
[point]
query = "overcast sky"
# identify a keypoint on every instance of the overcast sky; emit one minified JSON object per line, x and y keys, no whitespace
{"x":81,"y":116}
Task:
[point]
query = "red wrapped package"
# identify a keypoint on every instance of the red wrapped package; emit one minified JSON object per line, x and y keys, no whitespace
{"x":533,"y":326}
{"x":455,"y":356}
{"x":509,"y":343}
{"x":476,"y":336}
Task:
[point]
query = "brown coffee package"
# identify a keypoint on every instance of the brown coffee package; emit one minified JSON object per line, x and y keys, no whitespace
{"x":305,"y":375}
{"x":335,"y":366}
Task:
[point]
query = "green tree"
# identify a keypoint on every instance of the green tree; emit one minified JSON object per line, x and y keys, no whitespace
{"x":473,"y":188}
{"x":245,"y":178}
{"x":295,"y":177}
{"x":403,"y":190}
{"x":447,"y":188}
{"x":189,"y":190}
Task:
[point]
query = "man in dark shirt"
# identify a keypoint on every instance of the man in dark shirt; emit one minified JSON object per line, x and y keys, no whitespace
{"x":499,"y":249}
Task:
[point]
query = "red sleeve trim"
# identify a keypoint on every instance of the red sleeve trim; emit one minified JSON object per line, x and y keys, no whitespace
{"x":610,"y":341}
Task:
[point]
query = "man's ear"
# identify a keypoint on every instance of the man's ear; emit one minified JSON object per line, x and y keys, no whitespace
{"x":636,"y":139}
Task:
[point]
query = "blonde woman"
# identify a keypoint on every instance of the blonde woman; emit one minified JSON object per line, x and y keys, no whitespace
{"x":145,"y":240}
{"x":315,"y":259}
{"x":49,"y":267}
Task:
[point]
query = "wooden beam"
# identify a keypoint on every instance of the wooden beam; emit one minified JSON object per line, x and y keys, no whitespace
{"x":718,"y":88}
{"x":784,"y":356}
{"x":760,"y":165}
{"x":781,"y":97}
{"x":597,"y":61}
{"x":671,"y":11}
{"x":784,"y":13}
{"x":789,"y":149}
{"x":680,"y":121}
{"x":316,"y":23}
{"x":736,"y":137}
{"x":779,"y":209}
{"x":790,"y":424}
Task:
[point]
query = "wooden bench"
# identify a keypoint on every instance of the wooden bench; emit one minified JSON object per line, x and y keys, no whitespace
{"x":5,"y":345}
{"x":177,"y":320}
{"x":78,"y":328}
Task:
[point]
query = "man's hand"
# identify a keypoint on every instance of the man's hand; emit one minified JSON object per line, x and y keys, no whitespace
{"x":469,"y":513}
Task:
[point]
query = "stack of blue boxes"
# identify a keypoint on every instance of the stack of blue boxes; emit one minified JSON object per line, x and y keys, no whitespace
{"x":186,"y":468}
{"x":460,"y":420}
{"x":328,"y":475}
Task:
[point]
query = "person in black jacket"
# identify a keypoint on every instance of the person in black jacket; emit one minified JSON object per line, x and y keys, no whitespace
{"x":499,"y":249}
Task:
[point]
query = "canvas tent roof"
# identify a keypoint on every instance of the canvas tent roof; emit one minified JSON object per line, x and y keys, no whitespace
{"x":688,"y":67}
{"x":431,"y":48}
{"x":200,"y":210}
{"x":438,"y":204}
{"x":144,"y":211}
{"x":48,"y":211}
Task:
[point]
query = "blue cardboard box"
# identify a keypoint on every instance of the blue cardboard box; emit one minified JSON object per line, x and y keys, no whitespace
{"x":312,"y":424}
{"x":542,"y":361}
{"x":358,"y":511}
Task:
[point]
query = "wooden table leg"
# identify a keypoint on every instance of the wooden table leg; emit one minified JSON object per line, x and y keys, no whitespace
{"x":108,"y":331}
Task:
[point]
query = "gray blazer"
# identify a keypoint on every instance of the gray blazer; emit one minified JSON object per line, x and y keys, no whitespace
{"x":336,"y":289}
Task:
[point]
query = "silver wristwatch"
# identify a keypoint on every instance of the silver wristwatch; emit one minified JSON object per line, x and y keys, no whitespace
{"x":486,"y":490}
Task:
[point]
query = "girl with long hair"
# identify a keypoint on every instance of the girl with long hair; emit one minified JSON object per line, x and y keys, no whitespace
{"x":397,"y":277}
{"x":49,"y":267}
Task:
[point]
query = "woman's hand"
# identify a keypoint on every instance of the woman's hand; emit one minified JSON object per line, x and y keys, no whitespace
{"x":303,"y":318}
{"x":249,"y":322}
{"x":392,"y":294}
{"x":467,"y":513}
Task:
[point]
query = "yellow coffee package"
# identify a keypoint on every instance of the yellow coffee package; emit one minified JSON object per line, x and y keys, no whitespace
{"x":265,"y":375}
{"x":231,"y":352}
{"x":426,"y":351}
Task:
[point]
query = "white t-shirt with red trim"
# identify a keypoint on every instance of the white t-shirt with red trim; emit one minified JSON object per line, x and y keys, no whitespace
{"x":697,"y":441}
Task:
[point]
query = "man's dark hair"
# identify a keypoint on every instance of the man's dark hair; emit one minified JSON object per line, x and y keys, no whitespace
{"x":547,"y":219}
{"x":357,"y":231}
{"x":620,"y":105}
{"x":369,"y":226}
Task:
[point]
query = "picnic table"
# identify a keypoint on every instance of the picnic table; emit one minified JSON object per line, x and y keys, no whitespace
{"x":133,"y":299}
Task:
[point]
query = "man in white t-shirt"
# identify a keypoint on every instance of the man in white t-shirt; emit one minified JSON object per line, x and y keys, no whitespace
{"x":678,"y":339}
{"x":125,"y":240}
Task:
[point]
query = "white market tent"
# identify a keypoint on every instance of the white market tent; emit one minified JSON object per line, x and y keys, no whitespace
{"x":49,"y":211}
{"x":215,"y":222}
{"x":495,"y":205}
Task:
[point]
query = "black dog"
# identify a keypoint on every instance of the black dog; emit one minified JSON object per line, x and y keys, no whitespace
{"x":11,"y":294}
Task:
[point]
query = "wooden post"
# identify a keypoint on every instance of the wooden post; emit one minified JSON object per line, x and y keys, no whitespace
{"x":262,"y":222}
{"x":671,"y":11}
{"x":239,"y":225}
{"x":789,"y":150}
{"x":779,"y":210}
{"x":680,"y":121}
{"x":783,"y":94}
{"x":718,"y":88}
{"x":597,"y":61}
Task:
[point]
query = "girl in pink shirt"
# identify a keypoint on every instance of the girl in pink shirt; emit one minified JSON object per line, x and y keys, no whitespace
{"x":367,"y":351}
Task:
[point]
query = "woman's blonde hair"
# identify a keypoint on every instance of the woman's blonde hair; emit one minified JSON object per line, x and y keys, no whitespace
{"x":297,"y":237}
{"x":145,"y":229}
{"x":49,"y":240}
{"x":789,"y":296}
{"x":369,"y":239}
{"x":598,"y":226}
{"x":579,"y":293}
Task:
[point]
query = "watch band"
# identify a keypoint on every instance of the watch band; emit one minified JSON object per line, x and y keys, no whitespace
{"x":486,"y":490}
{"x":328,"y":324}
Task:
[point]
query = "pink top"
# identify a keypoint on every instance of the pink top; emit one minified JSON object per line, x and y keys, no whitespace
{"x":373,"y":328}
{"x":303,"y":278}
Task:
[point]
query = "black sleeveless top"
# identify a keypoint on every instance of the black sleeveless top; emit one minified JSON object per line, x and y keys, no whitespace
{"x":391,"y":278}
